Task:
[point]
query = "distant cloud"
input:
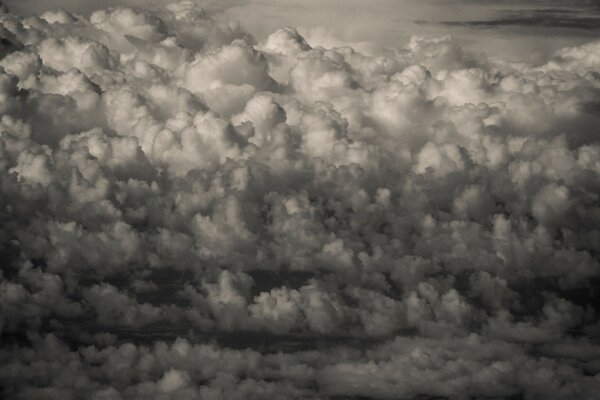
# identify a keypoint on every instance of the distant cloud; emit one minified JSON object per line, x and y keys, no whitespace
{"x":543,"y":18}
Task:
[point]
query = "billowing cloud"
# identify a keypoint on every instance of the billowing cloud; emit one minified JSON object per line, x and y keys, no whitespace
{"x":190,"y":212}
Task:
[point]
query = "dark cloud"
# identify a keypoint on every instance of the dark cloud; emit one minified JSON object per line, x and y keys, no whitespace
{"x":543,"y":18}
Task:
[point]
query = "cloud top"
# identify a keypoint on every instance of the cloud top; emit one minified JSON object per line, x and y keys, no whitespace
{"x":189,"y":212}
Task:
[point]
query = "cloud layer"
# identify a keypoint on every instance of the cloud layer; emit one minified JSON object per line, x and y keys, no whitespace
{"x":190,"y":213}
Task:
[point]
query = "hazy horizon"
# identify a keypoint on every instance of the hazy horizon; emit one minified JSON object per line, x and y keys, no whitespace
{"x":517,"y":30}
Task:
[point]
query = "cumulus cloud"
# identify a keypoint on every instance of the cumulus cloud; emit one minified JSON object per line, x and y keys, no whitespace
{"x":188,"y":212}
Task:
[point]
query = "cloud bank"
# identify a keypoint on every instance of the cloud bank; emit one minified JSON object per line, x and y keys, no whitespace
{"x":188,"y":212}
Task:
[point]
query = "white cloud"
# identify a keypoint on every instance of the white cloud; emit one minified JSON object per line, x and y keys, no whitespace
{"x":200,"y":214}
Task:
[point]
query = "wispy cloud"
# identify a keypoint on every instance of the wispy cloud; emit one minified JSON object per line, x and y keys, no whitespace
{"x":543,"y":18}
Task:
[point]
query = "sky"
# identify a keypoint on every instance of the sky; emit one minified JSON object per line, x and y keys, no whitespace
{"x":300,"y":200}
{"x":518,"y":30}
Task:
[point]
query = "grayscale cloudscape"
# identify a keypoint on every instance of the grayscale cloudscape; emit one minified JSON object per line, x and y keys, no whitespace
{"x":299,"y":200}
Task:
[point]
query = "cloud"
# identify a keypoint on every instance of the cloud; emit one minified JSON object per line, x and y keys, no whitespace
{"x":537,"y":18}
{"x":192,"y":212}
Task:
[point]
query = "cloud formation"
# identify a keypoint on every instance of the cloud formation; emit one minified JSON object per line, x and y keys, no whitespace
{"x":188,"y":212}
